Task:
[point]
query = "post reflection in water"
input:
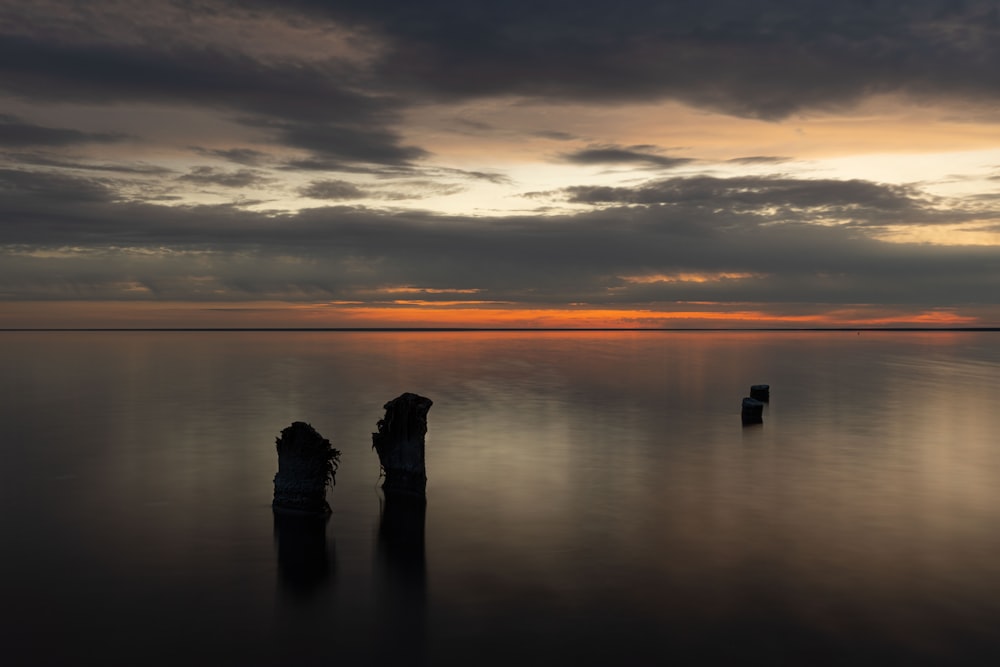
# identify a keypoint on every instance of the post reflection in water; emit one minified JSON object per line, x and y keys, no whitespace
{"x":304,"y":557}
{"x":401,"y":566}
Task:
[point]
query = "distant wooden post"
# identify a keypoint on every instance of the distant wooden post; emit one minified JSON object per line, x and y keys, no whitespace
{"x":761,"y":392}
{"x":307,"y":463}
{"x":753,"y":411}
{"x":400,"y":444}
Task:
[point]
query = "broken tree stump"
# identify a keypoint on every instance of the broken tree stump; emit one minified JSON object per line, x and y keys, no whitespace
{"x":307,"y":463}
{"x":400,"y":444}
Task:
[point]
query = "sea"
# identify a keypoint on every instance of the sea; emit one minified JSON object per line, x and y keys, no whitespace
{"x":593,"y":498}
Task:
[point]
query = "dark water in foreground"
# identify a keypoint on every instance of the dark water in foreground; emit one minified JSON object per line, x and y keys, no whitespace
{"x":593,"y":499}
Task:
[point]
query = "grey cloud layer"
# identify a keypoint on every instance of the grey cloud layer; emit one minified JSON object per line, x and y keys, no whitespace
{"x":314,"y":106}
{"x":17,"y":133}
{"x":624,"y":155}
{"x":350,"y":252}
{"x":240,"y":178}
{"x":766,"y":59}
{"x":64,"y":236}
{"x":861,"y":200}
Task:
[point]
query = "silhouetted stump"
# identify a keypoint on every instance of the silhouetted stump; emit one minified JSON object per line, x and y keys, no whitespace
{"x":307,"y":463}
{"x":400,"y":444}
{"x":761,"y":392}
{"x":753,"y":411}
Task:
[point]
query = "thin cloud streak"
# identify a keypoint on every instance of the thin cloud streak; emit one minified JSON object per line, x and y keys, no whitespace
{"x":611,"y":155}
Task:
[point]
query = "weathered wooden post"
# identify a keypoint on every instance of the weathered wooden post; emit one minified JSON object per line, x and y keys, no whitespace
{"x":761,"y":392}
{"x":753,"y":411}
{"x":400,"y":444}
{"x":307,"y":463}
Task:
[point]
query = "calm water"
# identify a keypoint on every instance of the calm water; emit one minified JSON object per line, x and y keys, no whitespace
{"x":593,"y":499}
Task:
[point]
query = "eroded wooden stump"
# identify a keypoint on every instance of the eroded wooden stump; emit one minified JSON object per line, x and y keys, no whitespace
{"x":307,"y":463}
{"x":400,"y":444}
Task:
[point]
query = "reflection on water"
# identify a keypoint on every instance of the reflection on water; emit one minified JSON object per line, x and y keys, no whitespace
{"x":593,"y":499}
{"x":402,"y":581}
{"x":401,"y":552}
{"x":304,"y":560}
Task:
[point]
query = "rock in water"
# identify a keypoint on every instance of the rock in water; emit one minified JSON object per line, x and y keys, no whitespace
{"x":307,"y":463}
{"x":400,"y":444}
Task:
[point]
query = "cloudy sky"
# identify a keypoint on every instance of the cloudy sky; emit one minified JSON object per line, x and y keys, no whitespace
{"x":667,"y":163}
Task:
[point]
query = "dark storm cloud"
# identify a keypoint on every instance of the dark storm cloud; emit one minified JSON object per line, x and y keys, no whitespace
{"x":764,"y":59}
{"x":638,"y":155}
{"x":16,"y":133}
{"x":617,"y":255}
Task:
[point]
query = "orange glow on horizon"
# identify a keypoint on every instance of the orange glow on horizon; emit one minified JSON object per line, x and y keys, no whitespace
{"x":555,"y":318}
{"x":143,"y":314}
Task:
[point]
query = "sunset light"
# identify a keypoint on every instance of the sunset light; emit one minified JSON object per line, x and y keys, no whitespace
{"x":585,"y":171}
{"x":500,"y":333}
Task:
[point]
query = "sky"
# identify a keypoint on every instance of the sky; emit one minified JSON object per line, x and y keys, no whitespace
{"x":453,"y":163}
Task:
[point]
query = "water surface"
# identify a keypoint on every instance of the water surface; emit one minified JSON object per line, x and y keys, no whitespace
{"x":593,"y":499}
